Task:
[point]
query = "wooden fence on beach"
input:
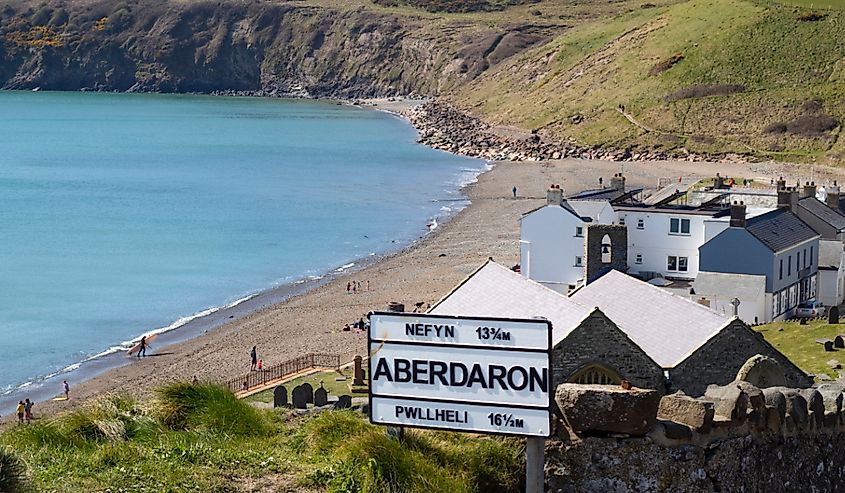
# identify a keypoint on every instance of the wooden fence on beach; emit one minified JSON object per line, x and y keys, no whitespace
{"x":290,"y":367}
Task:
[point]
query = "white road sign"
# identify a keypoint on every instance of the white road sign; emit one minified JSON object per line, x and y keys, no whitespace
{"x":482,"y":375}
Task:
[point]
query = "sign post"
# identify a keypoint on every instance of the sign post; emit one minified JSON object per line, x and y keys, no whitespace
{"x":470,"y":374}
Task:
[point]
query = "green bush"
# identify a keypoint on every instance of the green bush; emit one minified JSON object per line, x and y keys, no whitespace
{"x":12,"y":473}
{"x":202,"y":406}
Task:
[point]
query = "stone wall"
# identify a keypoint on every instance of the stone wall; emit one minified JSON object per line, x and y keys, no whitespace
{"x":736,"y":438}
{"x":719,"y":360}
{"x":594,"y":267}
{"x":598,"y":341}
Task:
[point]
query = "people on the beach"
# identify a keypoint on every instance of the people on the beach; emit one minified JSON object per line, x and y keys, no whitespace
{"x":245,"y":386}
{"x":195,"y":380}
{"x":346,"y":328}
{"x":514,"y":191}
{"x":349,"y":287}
{"x":27,"y":409}
{"x":142,"y":349}
{"x":20,"y":411}
{"x":253,"y":356}
{"x":368,"y":285}
{"x":66,"y":388}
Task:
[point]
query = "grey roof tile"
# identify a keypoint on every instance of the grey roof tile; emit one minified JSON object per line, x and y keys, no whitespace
{"x":821,"y":210}
{"x":780,"y":229}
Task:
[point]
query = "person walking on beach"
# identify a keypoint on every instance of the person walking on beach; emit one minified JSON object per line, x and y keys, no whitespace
{"x":348,"y":287}
{"x":142,"y":350}
{"x":514,"y":191}
{"x":27,"y":409}
{"x":66,"y":389}
{"x":19,"y":411}
{"x":253,"y":356}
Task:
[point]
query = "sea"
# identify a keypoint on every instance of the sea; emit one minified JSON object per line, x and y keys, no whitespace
{"x":127,"y":214}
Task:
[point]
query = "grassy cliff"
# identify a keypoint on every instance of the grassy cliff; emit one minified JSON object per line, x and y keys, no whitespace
{"x":708,"y":75}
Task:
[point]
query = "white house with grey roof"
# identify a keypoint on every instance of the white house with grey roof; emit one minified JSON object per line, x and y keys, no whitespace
{"x":620,"y":328}
{"x":551,"y":242}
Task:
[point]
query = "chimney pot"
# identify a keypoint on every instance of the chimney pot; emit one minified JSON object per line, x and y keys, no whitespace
{"x":737,"y":215}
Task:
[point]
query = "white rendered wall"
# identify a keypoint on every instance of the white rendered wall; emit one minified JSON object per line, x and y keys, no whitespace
{"x":549,"y":246}
{"x":655,"y":243}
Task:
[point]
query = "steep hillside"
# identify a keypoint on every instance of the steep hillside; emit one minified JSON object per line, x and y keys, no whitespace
{"x":349,"y":48}
{"x":704,"y":75}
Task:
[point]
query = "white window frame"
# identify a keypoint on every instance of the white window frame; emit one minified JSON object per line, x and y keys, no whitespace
{"x":685,"y":262}
{"x":579,"y":261}
{"x":579,"y":231}
{"x":669,"y":259}
{"x":640,"y":223}
{"x":638,"y":259}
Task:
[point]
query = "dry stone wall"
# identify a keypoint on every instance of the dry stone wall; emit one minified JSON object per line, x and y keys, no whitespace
{"x":735,"y":438}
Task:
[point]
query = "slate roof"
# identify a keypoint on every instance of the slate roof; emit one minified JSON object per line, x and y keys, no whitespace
{"x":780,"y":229}
{"x":602,"y":194}
{"x":588,"y":210}
{"x":496,"y":291}
{"x":822,"y":211}
{"x":667,"y":327}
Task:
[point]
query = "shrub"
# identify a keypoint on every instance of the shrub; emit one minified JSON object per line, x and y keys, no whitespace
{"x":112,"y":417}
{"x":775,"y":128}
{"x":203,"y":406}
{"x":810,"y":16}
{"x":12,"y":473}
{"x":665,"y":65}
{"x":812,"y":125}
{"x":704,"y":90}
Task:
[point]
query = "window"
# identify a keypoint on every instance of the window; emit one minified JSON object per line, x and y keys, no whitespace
{"x":811,"y":256}
{"x":789,"y":266}
{"x":596,"y":375}
{"x":780,"y":276}
{"x":622,"y":221}
{"x":678,"y":226}
{"x":579,"y":231}
{"x":798,"y":260}
{"x":639,"y":258}
{"x":578,"y":261}
{"x":805,"y":258}
{"x":677,"y":264}
{"x":640,"y":224}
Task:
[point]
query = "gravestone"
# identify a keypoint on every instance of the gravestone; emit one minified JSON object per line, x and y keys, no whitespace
{"x":321,"y":397}
{"x":833,"y":315}
{"x":280,"y":396}
{"x":310,"y":392}
{"x":839,"y":341}
{"x":299,"y":397}
{"x":762,"y":372}
{"x":343,"y":402}
{"x":827,"y":343}
{"x":358,"y":374}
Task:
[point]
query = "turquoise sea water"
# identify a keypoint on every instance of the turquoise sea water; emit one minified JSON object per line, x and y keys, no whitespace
{"x":120,"y":214}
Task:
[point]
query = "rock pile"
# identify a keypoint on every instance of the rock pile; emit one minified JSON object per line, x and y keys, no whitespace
{"x":444,"y":127}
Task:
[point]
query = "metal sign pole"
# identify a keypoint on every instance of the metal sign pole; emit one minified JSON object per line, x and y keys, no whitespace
{"x":535,"y":460}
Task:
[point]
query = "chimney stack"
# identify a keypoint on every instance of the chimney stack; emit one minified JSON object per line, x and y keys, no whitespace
{"x":618,"y":182}
{"x":787,"y":198}
{"x":809,"y":190}
{"x":781,"y":184}
{"x":738,"y":214}
{"x":832,"y":198}
{"x":554,"y":196}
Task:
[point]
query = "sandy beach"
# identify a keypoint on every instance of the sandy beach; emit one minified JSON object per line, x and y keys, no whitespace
{"x":312,"y":322}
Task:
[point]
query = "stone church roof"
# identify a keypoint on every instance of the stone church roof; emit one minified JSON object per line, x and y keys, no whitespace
{"x":667,"y":327}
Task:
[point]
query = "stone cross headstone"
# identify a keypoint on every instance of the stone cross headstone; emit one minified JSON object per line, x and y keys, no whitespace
{"x":310,"y":392}
{"x":833,"y":315}
{"x":280,"y":396}
{"x":321,"y":397}
{"x":358,"y":375}
{"x":343,"y":402}
{"x":299,"y":397}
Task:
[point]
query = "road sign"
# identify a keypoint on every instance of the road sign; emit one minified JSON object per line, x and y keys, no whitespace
{"x":483,"y":375}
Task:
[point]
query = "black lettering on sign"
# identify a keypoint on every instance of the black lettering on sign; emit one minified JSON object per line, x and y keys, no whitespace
{"x":457,"y":374}
{"x":427,"y":330}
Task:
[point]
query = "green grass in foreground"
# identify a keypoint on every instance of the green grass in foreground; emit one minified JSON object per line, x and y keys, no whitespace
{"x":200,"y":438}
{"x":798,"y":343}
{"x":328,"y":378}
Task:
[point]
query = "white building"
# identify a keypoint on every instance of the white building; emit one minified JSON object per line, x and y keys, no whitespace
{"x":663,"y":240}
{"x":831,"y":272}
{"x":552,"y":239}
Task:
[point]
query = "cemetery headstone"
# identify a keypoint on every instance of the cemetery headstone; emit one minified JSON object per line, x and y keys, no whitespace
{"x":321,"y":397}
{"x":310,"y":392}
{"x":358,"y":374}
{"x":299,"y":396}
{"x":280,"y":396}
{"x":839,"y":341}
{"x":343,"y":402}
{"x":833,"y":315}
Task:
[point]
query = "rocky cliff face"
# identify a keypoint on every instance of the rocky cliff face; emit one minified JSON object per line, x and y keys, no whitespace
{"x":245,"y":47}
